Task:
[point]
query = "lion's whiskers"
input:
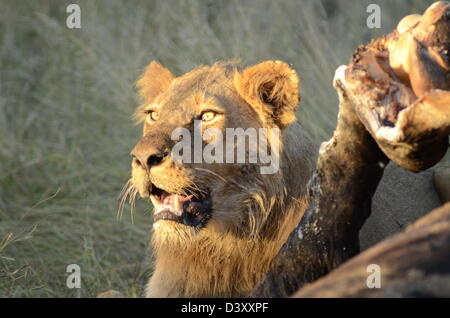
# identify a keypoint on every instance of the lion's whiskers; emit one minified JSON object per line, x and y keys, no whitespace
{"x":128,"y":192}
{"x":194,"y":189}
{"x":132,"y":202}
{"x":213,"y":173}
{"x":219,"y":177}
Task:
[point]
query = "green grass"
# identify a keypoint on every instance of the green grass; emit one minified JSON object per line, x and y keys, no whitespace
{"x":66,"y":99}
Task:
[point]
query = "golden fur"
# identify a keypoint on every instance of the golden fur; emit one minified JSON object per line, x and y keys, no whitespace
{"x":252,"y":213}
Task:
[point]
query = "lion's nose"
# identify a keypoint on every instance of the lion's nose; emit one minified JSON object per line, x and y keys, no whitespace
{"x":147,"y":158}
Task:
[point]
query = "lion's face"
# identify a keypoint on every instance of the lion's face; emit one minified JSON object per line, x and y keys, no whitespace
{"x":196,"y":194}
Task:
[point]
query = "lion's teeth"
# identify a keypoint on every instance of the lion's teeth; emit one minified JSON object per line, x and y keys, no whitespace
{"x":177,"y":203}
{"x":155,"y":201}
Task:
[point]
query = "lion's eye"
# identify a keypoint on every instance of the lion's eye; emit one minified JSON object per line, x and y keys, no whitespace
{"x":208,"y":116}
{"x":152,"y":115}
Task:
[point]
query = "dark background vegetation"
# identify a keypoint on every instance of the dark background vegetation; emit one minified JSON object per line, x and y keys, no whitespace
{"x":66,"y":99}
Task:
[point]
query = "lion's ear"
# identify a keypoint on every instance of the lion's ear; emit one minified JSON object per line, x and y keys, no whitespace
{"x":272,"y":88}
{"x":155,"y":80}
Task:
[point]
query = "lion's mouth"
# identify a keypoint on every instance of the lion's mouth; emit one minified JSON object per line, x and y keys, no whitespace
{"x":191,"y":210}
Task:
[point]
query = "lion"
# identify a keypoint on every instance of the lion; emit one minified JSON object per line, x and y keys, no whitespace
{"x":218,"y":226}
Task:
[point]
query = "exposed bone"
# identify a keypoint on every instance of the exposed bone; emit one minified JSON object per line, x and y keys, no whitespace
{"x":349,"y":168}
{"x":380,"y":117}
{"x":412,"y":132}
{"x":408,"y":22}
{"x":419,"y":49}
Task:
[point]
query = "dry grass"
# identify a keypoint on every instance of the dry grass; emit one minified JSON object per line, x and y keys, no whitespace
{"x":66,"y":99}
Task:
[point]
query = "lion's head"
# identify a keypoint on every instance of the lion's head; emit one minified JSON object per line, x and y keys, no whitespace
{"x":210,"y":208}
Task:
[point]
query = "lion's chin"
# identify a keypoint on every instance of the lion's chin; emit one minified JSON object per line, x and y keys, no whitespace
{"x":169,"y":235}
{"x":169,"y":226}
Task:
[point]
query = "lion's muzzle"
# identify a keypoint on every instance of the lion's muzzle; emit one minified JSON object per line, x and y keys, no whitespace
{"x":150,"y":151}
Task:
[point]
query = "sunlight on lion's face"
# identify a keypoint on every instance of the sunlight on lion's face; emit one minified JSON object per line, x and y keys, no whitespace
{"x":218,"y":223}
{"x":221,"y":195}
{"x":190,"y":196}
